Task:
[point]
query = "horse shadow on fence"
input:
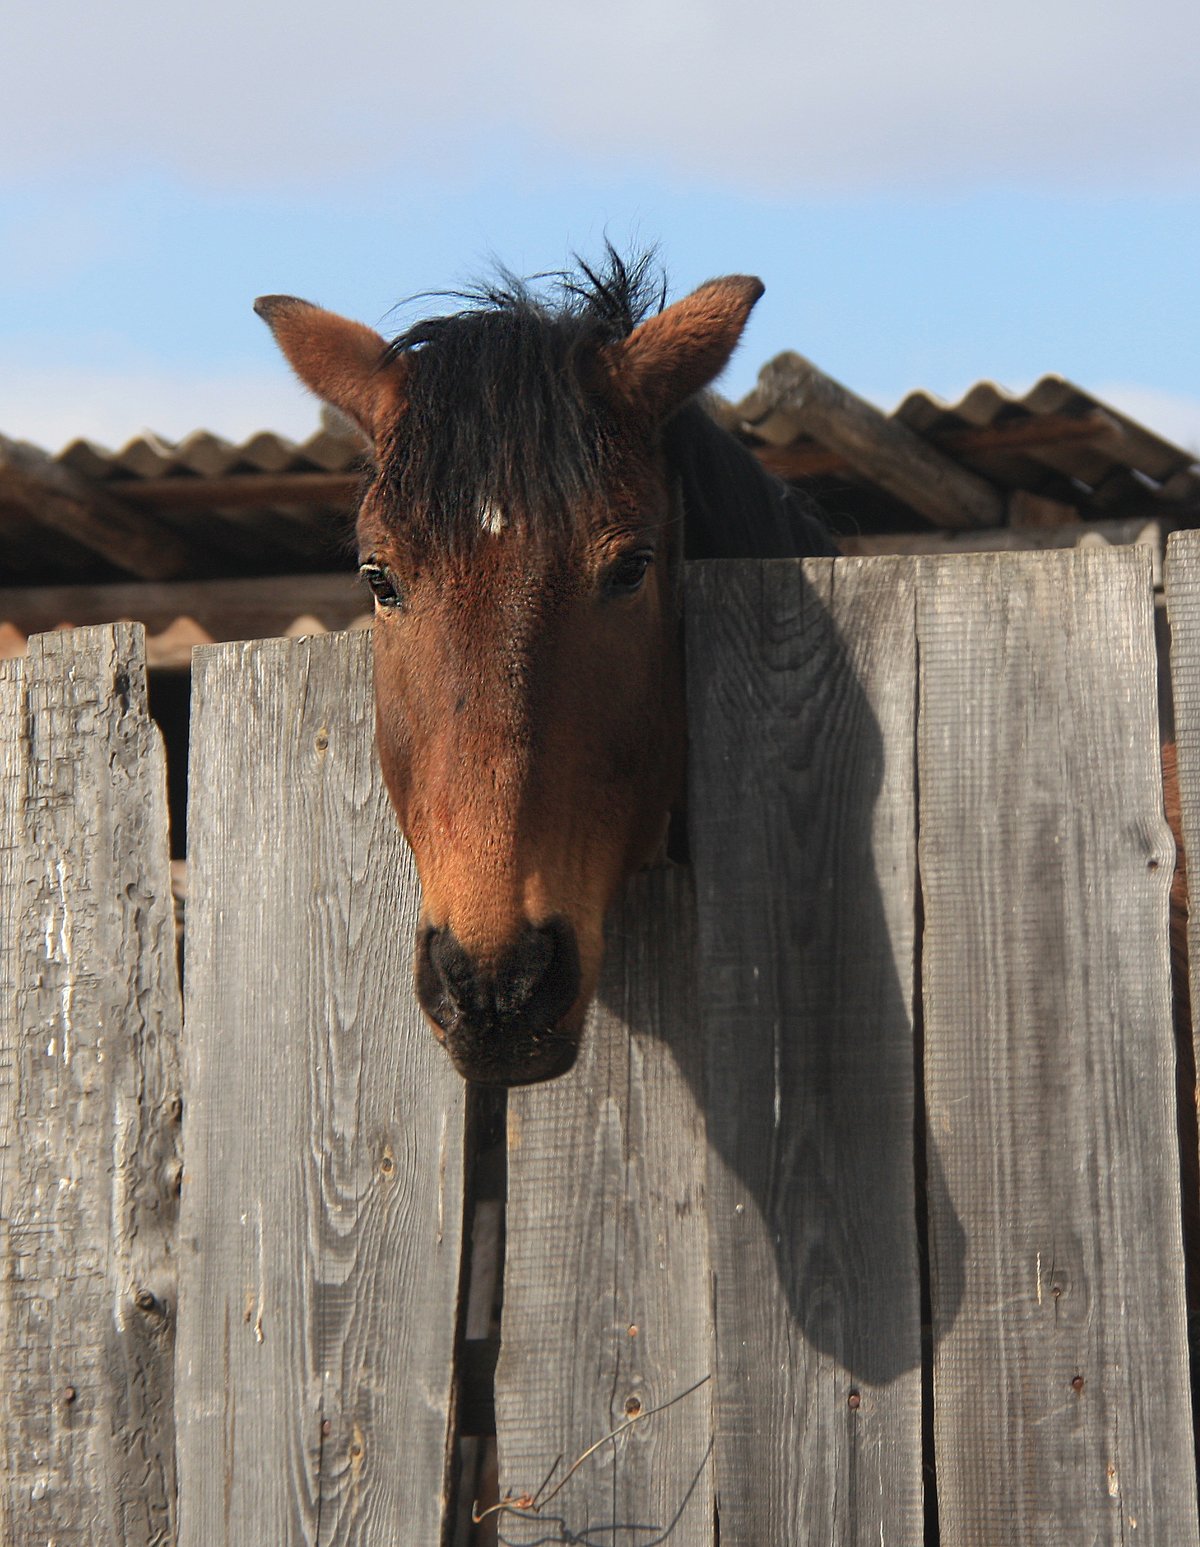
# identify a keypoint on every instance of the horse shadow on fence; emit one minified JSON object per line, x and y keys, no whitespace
{"x":806,"y":1053}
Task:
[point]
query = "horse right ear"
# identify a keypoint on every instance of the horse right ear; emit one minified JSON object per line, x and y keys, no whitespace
{"x":668,"y":358}
{"x":345,"y":363}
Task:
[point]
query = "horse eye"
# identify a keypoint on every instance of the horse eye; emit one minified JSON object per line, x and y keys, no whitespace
{"x":626,"y":575}
{"x":383,"y":586}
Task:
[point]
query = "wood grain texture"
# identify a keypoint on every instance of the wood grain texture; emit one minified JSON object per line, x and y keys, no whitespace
{"x":607,"y":1296}
{"x":1182,"y":575}
{"x":801,"y":685}
{"x":89,"y":1159}
{"x":1045,"y":867}
{"x":322,"y":1211}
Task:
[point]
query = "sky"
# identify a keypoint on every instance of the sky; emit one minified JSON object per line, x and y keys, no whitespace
{"x":934,"y":194}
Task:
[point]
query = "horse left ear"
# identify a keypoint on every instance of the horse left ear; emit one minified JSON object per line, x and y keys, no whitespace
{"x":345,"y":363}
{"x":670,"y":357}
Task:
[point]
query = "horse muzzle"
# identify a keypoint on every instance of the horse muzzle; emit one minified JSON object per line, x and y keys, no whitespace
{"x":505,"y":1017}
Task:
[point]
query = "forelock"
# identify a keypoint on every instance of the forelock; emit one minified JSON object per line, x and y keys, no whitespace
{"x":502,"y":414}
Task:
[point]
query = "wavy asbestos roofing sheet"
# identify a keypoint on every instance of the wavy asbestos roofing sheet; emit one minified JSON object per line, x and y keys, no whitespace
{"x":205,"y":455}
{"x":208,"y":507}
{"x":1056,"y":446}
{"x":1129,"y":449}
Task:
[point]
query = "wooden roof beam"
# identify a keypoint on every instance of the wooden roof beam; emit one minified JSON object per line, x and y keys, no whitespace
{"x":1028,"y":435}
{"x":882,"y":450}
{"x":244,"y":608}
{"x":59,"y":499}
{"x":190,"y":492}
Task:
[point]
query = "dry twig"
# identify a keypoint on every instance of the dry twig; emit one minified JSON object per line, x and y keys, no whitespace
{"x":527,"y":1505}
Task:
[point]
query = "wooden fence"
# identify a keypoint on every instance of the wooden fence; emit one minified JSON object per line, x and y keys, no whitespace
{"x":859,"y":1218}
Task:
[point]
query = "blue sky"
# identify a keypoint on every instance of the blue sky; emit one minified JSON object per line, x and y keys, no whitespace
{"x":933,"y":195}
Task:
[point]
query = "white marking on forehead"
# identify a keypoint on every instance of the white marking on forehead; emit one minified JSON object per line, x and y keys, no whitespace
{"x":492,"y":519}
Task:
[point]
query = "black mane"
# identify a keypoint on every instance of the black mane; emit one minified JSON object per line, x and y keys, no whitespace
{"x":499,"y":414}
{"x":733,"y":508}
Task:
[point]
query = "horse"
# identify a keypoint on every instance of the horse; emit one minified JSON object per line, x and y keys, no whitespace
{"x":542,"y":466}
{"x":543,"y":463}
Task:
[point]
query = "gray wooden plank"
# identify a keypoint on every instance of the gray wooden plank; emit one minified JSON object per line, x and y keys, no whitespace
{"x":1181,"y":651}
{"x":1062,"y":1409}
{"x":606,"y":1293}
{"x":322,"y":1211}
{"x":89,"y":1131}
{"x":801,"y":685}
{"x":1182,"y":575}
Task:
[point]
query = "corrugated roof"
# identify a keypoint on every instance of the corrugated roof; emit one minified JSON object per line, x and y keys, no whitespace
{"x":208,"y":507}
{"x":1056,"y":443}
{"x":204,"y":507}
{"x":1120,"y":439}
{"x":332,"y":449}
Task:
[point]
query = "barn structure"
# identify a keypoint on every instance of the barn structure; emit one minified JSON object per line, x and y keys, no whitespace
{"x":875,"y":1230}
{"x":164,"y":534}
{"x":206,"y":540}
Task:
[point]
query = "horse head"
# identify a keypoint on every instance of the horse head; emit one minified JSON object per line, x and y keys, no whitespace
{"x":523,"y":541}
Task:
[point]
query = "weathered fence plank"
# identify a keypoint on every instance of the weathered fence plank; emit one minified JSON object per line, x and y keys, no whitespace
{"x":801,"y":809}
{"x":725,"y":1183}
{"x":1061,"y":1400}
{"x":89,"y":1025}
{"x":1182,"y":575}
{"x":322,"y":1207}
{"x":607,"y":1308}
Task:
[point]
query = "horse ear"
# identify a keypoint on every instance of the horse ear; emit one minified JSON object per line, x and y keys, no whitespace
{"x":345,"y":363}
{"x":671,"y":356}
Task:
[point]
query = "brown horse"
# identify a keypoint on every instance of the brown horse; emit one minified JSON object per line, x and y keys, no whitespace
{"x":540,"y":472}
{"x":541,"y":469}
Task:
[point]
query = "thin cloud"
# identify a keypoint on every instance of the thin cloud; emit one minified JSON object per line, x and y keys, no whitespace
{"x":778,"y":97}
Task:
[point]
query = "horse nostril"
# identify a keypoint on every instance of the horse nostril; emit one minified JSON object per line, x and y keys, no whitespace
{"x":521,"y":970}
{"x":532,"y":984}
{"x":537,"y":980}
{"x":442,"y":973}
{"x":455,"y":969}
